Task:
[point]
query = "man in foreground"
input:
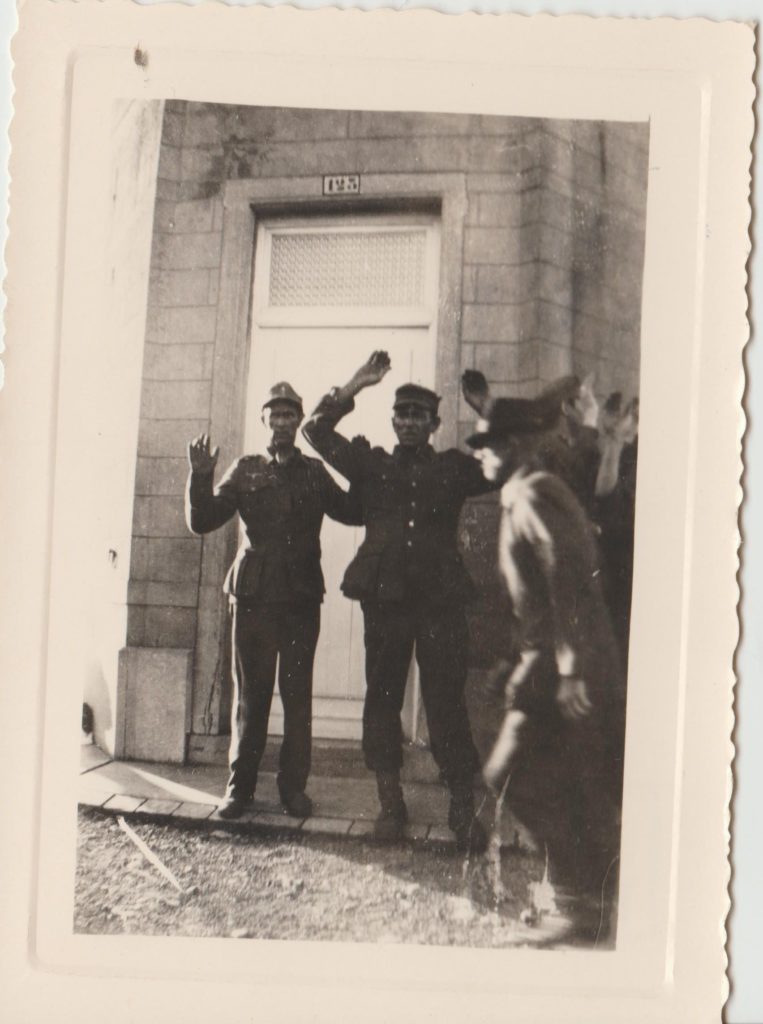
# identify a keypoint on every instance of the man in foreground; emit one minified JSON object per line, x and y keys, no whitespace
{"x":412,"y":585}
{"x":558,"y":755}
{"x":275,"y":587}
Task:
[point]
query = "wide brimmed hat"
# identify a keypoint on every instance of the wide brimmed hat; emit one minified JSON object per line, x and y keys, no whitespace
{"x":283,"y":392}
{"x":415,"y":394}
{"x":512,"y":416}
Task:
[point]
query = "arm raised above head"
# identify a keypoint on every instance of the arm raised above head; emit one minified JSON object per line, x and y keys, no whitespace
{"x":346,"y":457}
{"x":342,"y":506}
{"x":372,"y":371}
{"x":320,"y":431}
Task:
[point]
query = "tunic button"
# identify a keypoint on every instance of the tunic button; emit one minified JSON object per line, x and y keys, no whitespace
{"x":410,"y":523}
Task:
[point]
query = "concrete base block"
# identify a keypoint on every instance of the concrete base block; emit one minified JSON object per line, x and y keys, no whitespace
{"x":157,"y":687}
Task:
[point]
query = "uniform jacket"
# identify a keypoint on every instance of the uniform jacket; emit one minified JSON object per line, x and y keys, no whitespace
{"x":549,"y":558}
{"x":411,"y":502}
{"x":282,"y":507}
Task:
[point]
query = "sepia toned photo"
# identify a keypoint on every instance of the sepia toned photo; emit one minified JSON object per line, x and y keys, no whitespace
{"x":368,"y":671}
{"x":385,"y":399}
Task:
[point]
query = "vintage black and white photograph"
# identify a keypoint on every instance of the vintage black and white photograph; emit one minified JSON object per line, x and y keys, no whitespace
{"x":373,"y":497}
{"x":363,"y":672}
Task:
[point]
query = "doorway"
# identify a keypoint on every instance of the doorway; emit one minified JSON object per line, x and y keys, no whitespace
{"x":327,"y":292}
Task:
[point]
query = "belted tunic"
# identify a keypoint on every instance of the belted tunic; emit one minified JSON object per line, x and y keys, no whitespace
{"x":282,"y":507}
{"x":275,"y":585}
{"x":411,"y":502}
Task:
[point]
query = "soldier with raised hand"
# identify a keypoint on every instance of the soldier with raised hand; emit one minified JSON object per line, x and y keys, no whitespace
{"x":412,"y":585}
{"x":275,"y":588}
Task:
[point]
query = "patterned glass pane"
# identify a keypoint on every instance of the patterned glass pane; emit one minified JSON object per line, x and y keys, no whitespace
{"x":353,"y":268}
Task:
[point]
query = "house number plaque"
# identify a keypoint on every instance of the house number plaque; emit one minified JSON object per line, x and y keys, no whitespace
{"x":341,"y":184}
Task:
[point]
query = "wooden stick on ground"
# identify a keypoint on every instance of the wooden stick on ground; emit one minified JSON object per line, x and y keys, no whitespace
{"x":149,"y":854}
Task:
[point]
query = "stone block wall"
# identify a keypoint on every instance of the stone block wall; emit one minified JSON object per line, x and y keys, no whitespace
{"x":591,"y":255}
{"x":551,"y":283}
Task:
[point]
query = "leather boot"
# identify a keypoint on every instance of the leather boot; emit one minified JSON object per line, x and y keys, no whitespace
{"x":297,"y":804}
{"x":234,"y":806}
{"x":470,"y":835}
{"x":390,"y":823}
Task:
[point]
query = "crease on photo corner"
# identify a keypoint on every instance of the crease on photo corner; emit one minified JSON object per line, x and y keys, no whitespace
{"x":745,"y":425}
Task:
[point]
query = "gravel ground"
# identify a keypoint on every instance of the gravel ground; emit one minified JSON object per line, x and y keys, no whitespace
{"x":275,"y":887}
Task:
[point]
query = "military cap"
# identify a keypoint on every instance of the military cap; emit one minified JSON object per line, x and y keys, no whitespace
{"x":415,"y":394}
{"x":283,"y":392}
{"x":510,"y":416}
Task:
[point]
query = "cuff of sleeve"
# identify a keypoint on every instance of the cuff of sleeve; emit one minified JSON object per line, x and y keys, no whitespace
{"x":566,"y":661}
{"x":200,"y":484}
{"x":341,"y":405}
{"x":332,"y":408}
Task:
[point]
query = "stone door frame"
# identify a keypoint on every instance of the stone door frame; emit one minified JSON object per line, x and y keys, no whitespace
{"x":244,"y":201}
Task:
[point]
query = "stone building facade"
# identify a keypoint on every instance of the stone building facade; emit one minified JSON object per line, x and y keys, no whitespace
{"x":540,"y":268}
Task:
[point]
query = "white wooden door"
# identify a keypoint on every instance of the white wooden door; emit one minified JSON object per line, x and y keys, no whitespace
{"x":326,"y":294}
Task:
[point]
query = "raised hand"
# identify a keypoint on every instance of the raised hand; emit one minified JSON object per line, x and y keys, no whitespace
{"x":627,"y":429}
{"x":610,"y":415}
{"x":587,"y":405}
{"x":475,"y":390}
{"x":373,"y":370}
{"x":201,"y":459}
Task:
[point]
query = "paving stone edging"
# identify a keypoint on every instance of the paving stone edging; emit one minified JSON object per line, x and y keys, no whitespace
{"x":206,"y":816}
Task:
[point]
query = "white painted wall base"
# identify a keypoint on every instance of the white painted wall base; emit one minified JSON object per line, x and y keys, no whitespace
{"x":156,"y":683}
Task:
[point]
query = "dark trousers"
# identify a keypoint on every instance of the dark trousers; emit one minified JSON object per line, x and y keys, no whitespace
{"x":564,"y":788}
{"x":440,"y":636}
{"x":263,"y":633}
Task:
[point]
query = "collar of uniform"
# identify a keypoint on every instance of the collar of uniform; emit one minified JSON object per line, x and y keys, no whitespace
{"x":296,"y":458}
{"x":423,"y":453}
